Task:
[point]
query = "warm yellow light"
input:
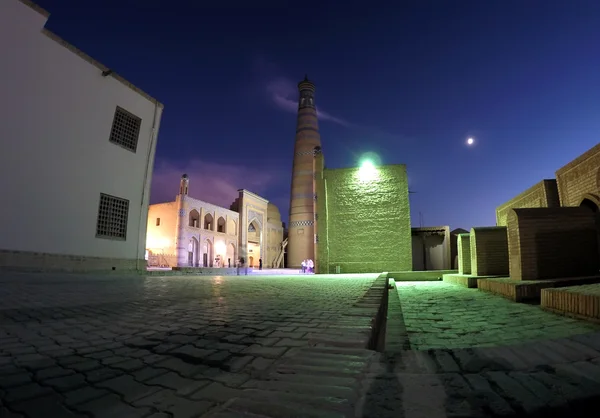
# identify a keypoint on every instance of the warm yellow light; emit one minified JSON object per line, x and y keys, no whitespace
{"x":157,"y":242}
{"x":220,"y":247}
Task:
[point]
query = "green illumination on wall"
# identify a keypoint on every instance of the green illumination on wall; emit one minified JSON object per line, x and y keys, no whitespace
{"x":364,"y":225}
{"x":367,"y":171}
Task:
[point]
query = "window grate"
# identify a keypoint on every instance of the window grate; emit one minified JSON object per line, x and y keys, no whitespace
{"x":125,"y":129}
{"x":112,"y":217}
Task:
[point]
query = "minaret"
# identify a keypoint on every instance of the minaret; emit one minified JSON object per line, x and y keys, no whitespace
{"x":180,"y":245}
{"x":301,"y":232}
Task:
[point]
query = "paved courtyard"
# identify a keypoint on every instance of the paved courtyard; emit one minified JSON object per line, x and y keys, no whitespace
{"x":444,"y":315}
{"x":158,"y":346}
{"x":279,"y":347}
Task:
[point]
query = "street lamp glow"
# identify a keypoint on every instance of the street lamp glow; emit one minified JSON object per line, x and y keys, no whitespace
{"x":367,"y":171}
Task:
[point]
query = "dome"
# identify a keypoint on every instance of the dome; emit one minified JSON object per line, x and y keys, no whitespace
{"x":273,"y":213}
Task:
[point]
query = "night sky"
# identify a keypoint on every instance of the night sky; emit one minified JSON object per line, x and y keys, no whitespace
{"x":408,"y":80}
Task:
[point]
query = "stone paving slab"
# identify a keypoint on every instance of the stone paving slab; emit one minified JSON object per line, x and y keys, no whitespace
{"x":163,"y":347}
{"x":577,"y":301}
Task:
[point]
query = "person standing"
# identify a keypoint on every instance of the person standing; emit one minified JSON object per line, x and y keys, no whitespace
{"x":240,"y":264}
{"x":260,"y":263}
{"x":303,"y":264}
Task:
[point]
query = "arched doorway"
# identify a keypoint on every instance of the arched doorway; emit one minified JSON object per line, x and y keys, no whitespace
{"x":254,"y":242}
{"x":230,"y":256}
{"x":193,"y":253}
{"x":589,"y":204}
{"x":207,"y":253}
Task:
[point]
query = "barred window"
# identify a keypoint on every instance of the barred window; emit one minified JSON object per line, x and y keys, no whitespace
{"x":125,"y":129}
{"x":112,"y":217}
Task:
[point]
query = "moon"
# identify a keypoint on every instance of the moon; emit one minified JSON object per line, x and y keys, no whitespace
{"x":470,"y":141}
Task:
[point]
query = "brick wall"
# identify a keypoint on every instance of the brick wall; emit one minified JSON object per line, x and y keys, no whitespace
{"x":580,"y":177}
{"x":463,"y":244}
{"x":489,"y":251}
{"x":367,"y":223}
{"x":548,"y":243}
{"x":542,"y":195}
{"x":30,"y":261}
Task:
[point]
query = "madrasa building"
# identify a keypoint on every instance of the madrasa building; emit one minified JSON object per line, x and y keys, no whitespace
{"x":190,"y":232}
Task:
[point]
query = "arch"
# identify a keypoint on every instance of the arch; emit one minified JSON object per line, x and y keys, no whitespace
{"x":194,"y":219}
{"x":208,"y":222}
{"x":254,"y":242}
{"x":208,"y":255}
{"x":591,"y":202}
{"x":231,"y":227}
{"x":254,"y":226}
{"x":193,"y":252}
{"x":221,"y":224}
{"x":230,"y":255}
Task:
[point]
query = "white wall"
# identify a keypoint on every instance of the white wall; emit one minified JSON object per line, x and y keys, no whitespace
{"x":56,"y":115}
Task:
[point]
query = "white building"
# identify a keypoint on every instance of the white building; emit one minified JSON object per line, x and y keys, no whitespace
{"x":190,"y":232}
{"x":78,"y":145}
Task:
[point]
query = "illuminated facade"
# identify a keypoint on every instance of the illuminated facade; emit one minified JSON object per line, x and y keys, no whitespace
{"x":301,"y":229}
{"x":189,"y":232}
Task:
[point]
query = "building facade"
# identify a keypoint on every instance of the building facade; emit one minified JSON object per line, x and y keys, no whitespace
{"x":76,"y":176}
{"x":189,"y":232}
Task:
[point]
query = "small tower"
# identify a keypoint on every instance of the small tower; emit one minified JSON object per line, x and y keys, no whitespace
{"x":181,"y":245}
{"x":184,"y":184}
{"x":301,"y":232}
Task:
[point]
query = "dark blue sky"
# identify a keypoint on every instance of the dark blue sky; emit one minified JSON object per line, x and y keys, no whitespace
{"x":409,"y":80}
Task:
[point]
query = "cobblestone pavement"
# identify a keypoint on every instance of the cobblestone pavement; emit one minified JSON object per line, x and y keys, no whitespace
{"x":444,"y":315}
{"x":551,"y":373}
{"x":155,"y":347}
{"x":280,"y":347}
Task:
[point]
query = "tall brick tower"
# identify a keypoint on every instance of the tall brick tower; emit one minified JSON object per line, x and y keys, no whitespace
{"x":301,"y":231}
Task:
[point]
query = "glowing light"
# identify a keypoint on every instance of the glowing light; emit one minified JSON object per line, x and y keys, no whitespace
{"x":470,"y":141}
{"x":367,"y":171}
{"x":220,"y":247}
{"x":157,"y":242}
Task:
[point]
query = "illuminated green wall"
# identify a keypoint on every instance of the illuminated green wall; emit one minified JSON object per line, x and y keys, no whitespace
{"x":364,"y":225}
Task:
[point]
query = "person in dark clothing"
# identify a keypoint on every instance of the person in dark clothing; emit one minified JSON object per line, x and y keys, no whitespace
{"x":260,"y":263}
{"x":240,"y":264}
